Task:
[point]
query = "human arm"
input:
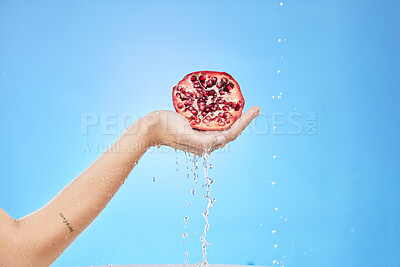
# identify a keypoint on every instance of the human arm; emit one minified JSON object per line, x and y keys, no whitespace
{"x":39,"y":238}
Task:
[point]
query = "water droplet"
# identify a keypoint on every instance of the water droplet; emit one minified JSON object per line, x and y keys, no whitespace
{"x":276,"y":245}
{"x":276,"y":209}
{"x":193,"y":191}
{"x":281,"y":3}
{"x":274,"y":156}
{"x":273,"y":232}
{"x":273,"y":97}
{"x":285,"y":219}
{"x":278,"y":71}
{"x":187,"y":254}
{"x":154,"y":179}
{"x":273,"y":183}
{"x":186,"y":218}
{"x":279,"y":40}
{"x":184,"y":235}
{"x":279,"y":96}
{"x":261,"y":224}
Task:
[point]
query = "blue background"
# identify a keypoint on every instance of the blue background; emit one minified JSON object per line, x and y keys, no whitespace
{"x":336,"y":177}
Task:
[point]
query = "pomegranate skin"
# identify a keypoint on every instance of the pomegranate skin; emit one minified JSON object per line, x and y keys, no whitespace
{"x":209,"y":100}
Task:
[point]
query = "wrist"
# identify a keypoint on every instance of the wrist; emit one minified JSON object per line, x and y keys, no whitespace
{"x":146,"y":130}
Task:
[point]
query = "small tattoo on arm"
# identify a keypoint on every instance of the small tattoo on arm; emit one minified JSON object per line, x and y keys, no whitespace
{"x":65,"y":221}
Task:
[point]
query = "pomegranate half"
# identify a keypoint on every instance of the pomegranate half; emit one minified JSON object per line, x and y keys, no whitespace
{"x":210,"y":100}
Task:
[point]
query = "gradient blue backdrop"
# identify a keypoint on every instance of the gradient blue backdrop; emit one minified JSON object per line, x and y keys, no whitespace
{"x":337,"y":187}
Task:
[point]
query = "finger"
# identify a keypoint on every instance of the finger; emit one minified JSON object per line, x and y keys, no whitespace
{"x":219,"y":140}
{"x":189,"y":148}
{"x":242,"y":123}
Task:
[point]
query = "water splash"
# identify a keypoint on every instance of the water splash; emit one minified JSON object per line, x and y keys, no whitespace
{"x":195,"y":161}
{"x":211,"y":200}
{"x":176,"y":157}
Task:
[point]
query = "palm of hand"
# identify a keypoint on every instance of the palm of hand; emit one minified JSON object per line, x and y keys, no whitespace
{"x":172,"y":129}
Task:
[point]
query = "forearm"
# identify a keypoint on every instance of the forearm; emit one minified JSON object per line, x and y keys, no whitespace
{"x":58,"y":223}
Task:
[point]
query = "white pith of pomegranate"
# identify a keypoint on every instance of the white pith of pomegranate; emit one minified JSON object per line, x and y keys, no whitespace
{"x":210,"y":100}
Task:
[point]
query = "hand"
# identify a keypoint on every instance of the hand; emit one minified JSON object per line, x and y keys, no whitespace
{"x":172,"y":129}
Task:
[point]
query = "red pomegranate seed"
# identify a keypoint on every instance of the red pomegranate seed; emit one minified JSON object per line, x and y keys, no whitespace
{"x":224,"y":80}
{"x":202,"y":78}
{"x":198,"y":120}
{"x":221,"y":123}
{"x":179,"y":105}
{"x":225,"y":108}
{"x":193,"y":78}
{"x":214,"y":80}
{"x":219,"y":85}
{"x":229,"y":86}
{"x":221,"y":92}
{"x":209,"y":83}
{"x":228,"y":121}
